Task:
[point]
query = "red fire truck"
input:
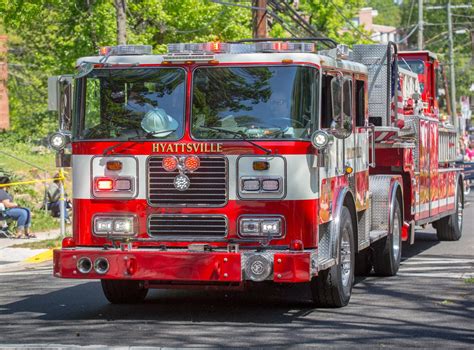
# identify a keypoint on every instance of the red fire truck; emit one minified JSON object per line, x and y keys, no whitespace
{"x":221,"y":165}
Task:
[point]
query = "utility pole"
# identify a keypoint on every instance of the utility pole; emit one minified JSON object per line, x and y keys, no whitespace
{"x":452,"y":75}
{"x":259,"y":19}
{"x":451,"y":68}
{"x":420,"y":24}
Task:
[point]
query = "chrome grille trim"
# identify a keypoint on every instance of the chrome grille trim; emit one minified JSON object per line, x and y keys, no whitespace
{"x":209,"y":184}
{"x":171,"y":227}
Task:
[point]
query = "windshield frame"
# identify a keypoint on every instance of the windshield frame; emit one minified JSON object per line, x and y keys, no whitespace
{"x":316,"y":96}
{"x":78,"y":118}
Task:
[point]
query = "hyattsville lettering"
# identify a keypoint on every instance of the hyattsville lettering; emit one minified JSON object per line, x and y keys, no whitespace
{"x":187,"y":147}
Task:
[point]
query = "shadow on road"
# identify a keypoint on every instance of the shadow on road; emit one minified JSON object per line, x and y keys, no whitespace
{"x":424,"y":240}
{"x":378,"y":310}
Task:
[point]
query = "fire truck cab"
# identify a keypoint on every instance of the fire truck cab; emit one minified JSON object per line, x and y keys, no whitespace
{"x":219,"y":165}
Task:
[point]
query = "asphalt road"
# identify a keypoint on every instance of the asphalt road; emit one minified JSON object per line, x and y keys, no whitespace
{"x":429,"y":305}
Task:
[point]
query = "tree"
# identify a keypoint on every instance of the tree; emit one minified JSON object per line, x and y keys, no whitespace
{"x":436,"y":34}
{"x":121,"y":9}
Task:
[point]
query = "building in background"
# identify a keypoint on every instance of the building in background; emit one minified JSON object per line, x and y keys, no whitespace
{"x":4,"y":110}
{"x":379,"y":33}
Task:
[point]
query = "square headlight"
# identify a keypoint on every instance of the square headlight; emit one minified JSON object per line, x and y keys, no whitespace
{"x":251,"y":185}
{"x":114,"y":225}
{"x":256,"y":227}
{"x":103,"y":225}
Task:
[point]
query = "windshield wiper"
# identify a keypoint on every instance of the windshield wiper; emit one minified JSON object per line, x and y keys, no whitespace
{"x":147,"y":136}
{"x":240,"y":134}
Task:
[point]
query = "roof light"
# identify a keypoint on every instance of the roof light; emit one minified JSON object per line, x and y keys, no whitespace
{"x":195,"y":48}
{"x":125,"y":50}
{"x":278,"y":46}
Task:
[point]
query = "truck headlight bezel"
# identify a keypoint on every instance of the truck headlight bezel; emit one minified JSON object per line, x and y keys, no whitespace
{"x":120,"y":225}
{"x":261,"y":226}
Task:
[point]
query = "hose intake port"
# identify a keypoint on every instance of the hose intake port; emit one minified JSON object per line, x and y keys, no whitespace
{"x":101,"y":266}
{"x":84,"y":265}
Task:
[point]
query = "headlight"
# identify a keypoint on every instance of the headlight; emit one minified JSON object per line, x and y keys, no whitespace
{"x":255,"y":227}
{"x":261,"y":184}
{"x":58,"y":141}
{"x":251,"y":185}
{"x":114,"y":225}
{"x":271,"y":185}
{"x":321,"y":139}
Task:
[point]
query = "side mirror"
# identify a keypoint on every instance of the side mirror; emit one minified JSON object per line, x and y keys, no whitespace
{"x":341,"y":89}
{"x":60,"y":99}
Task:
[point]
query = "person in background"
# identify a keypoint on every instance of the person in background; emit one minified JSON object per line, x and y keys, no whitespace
{"x":54,"y":195}
{"x":469,"y":155}
{"x":14,"y":211}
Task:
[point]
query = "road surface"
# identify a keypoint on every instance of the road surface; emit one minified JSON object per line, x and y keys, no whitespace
{"x":429,"y":304}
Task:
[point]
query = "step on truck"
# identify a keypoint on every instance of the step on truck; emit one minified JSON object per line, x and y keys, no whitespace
{"x":222,"y":165}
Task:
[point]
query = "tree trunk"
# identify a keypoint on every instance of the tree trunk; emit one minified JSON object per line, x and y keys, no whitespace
{"x":121,"y":7}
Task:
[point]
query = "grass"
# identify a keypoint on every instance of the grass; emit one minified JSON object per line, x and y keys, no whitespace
{"x":30,"y":196}
{"x":469,"y":280}
{"x":44,"y":244}
{"x":44,"y":159}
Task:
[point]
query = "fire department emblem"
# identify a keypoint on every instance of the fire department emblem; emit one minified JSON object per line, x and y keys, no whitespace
{"x":185,"y":164}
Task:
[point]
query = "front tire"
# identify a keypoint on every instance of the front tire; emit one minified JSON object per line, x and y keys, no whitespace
{"x":333,"y":287}
{"x":449,"y":228}
{"x":388,"y":251}
{"x":124,"y":291}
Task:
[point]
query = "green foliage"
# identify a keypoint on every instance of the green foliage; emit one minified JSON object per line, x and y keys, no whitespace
{"x":330,"y":17}
{"x":436,"y":38}
{"x":47,"y":36}
{"x":388,"y":12}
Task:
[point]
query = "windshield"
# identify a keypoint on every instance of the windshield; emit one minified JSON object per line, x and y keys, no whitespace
{"x":256,"y":102}
{"x":413,"y":65}
{"x":125,"y":103}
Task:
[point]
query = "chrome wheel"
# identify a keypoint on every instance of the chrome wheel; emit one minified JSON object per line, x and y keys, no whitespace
{"x":396,"y":237}
{"x":346,"y":263}
{"x":460,"y":211}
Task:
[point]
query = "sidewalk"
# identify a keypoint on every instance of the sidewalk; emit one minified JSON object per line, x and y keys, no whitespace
{"x":14,"y":256}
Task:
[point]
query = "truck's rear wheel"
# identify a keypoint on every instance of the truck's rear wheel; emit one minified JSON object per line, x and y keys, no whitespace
{"x":123,"y":291}
{"x":449,"y":228}
{"x":388,"y":251}
{"x":333,"y":287}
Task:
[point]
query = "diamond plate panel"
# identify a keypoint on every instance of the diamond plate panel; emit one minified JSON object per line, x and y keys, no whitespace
{"x":379,"y":79}
{"x":379,"y":186}
{"x":324,"y":247}
{"x":364,"y":228}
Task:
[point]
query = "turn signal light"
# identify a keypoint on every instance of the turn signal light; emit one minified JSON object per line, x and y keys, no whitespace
{"x":259,"y":165}
{"x":170,"y":163}
{"x":104,"y":184}
{"x":192,"y":163}
{"x":114,"y":165}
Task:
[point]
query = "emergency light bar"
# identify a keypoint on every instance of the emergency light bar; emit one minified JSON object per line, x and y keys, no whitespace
{"x":218,"y":47}
{"x":125,"y":50}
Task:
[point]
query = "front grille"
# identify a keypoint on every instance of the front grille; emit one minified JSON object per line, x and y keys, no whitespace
{"x":208,"y":184}
{"x":187,"y":227}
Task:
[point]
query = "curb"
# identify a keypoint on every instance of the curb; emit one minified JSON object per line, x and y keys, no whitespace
{"x":41,"y":257}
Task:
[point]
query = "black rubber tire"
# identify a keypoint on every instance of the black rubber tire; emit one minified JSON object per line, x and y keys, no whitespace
{"x":385,"y":263}
{"x":123,"y":291}
{"x":448,"y":228}
{"x":363,"y":263}
{"x":327,"y":288}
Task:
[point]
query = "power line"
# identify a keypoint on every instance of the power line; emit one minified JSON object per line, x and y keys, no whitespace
{"x":271,"y":13}
{"x":408,"y":35}
{"x":348,"y":21}
{"x":411,"y":12}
